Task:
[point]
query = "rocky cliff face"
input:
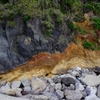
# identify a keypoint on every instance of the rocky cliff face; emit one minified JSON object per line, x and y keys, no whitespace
{"x":25,"y":39}
{"x":44,"y":64}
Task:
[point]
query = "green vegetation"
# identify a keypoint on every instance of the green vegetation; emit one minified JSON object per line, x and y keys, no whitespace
{"x":90,"y":6}
{"x":71,"y":26}
{"x":93,"y":6}
{"x":89,"y":45}
{"x":80,"y":30}
{"x":26,"y":18}
{"x":52,"y":12}
{"x":96,"y":22}
{"x":49,"y":11}
{"x":98,"y":47}
{"x":11,"y":23}
{"x":79,"y":18}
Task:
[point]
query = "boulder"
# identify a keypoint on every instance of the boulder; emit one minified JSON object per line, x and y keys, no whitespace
{"x":6,"y":97}
{"x":79,"y":86}
{"x":91,"y":80}
{"x":27,"y":88}
{"x":39,"y":97}
{"x":18,"y":93}
{"x":25,"y":82}
{"x":51,"y":89}
{"x":67,"y":75}
{"x":75,"y":73}
{"x":67,"y":81}
{"x":57,"y":80}
{"x":11,"y":91}
{"x":58,"y":86}
{"x":36,"y":97}
{"x":92,"y":97}
{"x":72,"y":87}
{"x":97,"y":70}
{"x":73,"y":94}
{"x":5,"y":87}
{"x":15,"y":84}
{"x":91,"y":90}
{"x":38,"y":84}
{"x":60,"y":93}
{"x":76,"y":68}
{"x":98,"y":91}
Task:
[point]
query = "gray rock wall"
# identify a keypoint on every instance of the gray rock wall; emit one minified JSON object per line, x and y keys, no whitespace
{"x":25,"y":39}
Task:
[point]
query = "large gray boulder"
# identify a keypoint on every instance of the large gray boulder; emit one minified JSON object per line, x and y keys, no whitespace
{"x":92,"y":97}
{"x":91,"y":80}
{"x":38,"y":84}
{"x":73,"y":94}
{"x":5,"y":97}
{"x":15,"y":84}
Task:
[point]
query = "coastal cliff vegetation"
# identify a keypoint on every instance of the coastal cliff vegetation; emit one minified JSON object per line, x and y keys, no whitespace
{"x":57,"y":13}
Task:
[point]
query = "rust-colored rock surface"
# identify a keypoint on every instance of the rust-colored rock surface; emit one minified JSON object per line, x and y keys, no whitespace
{"x":44,"y":64}
{"x":39,"y":65}
{"x":76,"y":55}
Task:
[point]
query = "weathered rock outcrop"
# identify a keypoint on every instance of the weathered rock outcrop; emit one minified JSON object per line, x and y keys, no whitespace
{"x":44,"y":64}
{"x":25,"y":39}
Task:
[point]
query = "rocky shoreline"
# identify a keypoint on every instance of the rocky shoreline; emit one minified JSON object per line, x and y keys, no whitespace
{"x":76,"y":84}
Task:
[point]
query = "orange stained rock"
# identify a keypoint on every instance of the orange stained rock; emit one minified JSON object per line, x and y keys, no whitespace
{"x":77,"y":56}
{"x":39,"y":65}
{"x":44,"y":64}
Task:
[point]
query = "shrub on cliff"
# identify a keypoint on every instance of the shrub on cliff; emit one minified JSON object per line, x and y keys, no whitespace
{"x":51,"y":12}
